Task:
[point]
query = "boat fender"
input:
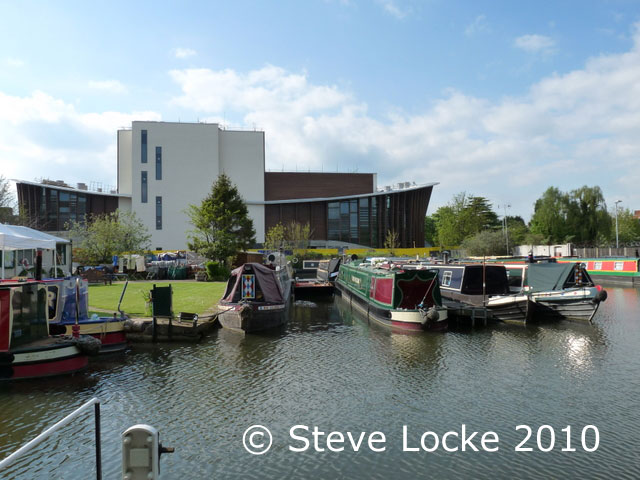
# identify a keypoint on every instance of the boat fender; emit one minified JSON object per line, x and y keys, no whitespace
{"x":87,"y":344}
{"x":601,"y":296}
{"x":430,"y":315}
{"x":134,"y":325}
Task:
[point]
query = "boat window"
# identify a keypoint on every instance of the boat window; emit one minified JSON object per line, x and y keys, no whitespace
{"x":29,"y":314}
{"x":446,"y":278}
{"x":495,"y":280}
{"x":618,"y":266}
{"x":515,"y":277}
{"x":597,"y":266}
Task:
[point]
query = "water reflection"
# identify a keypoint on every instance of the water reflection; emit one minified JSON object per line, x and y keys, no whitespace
{"x":330,"y":367}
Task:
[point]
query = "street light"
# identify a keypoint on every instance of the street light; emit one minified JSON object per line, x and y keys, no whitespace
{"x":505,"y":226}
{"x":617,"y":202}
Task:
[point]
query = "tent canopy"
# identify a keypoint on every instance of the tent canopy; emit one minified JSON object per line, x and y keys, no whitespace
{"x":16,"y":237}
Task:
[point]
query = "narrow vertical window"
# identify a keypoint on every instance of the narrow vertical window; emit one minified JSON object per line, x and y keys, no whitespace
{"x":158,"y":213}
{"x":144,"y":147}
{"x":143,"y":187}
{"x":158,"y":163}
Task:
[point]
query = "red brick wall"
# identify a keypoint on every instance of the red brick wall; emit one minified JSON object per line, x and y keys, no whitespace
{"x":290,"y":185}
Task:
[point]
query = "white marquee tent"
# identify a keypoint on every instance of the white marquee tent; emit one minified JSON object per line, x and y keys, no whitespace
{"x":16,"y":237}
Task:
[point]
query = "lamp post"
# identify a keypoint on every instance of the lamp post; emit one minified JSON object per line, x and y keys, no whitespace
{"x":505,"y":226}
{"x":617,"y":202}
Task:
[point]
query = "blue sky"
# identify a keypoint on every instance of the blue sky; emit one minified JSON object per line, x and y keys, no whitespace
{"x":499,"y":99}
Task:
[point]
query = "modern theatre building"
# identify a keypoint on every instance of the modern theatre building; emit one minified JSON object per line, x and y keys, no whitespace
{"x":164,"y":167}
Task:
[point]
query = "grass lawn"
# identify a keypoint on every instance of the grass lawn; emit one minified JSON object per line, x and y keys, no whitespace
{"x":193,"y":297}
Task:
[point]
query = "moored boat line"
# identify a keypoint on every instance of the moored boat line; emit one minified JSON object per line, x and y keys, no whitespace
{"x":396,"y":297}
{"x":483,"y":286}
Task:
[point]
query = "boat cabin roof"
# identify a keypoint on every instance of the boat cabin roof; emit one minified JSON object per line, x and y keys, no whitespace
{"x":253,"y":282}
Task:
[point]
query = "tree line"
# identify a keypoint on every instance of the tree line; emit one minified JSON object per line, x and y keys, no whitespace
{"x":579,"y":216}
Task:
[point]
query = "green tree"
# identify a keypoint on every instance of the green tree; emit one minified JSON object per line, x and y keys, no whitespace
{"x":517,"y":231}
{"x":222,"y":223}
{"x":275,"y":237}
{"x":100,"y":237}
{"x":478,"y":215}
{"x":6,"y":201}
{"x":587,"y":217}
{"x":391,"y":240}
{"x":579,"y":216}
{"x":430,"y":231}
{"x":628,"y":227}
{"x":464,"y":216}
{"x":550,"y":215}
{"x":293,"y":236}
{"x":448,"y":231}
{"x":485,"y":243}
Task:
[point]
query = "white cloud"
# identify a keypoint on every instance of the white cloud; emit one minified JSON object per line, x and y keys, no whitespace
{"x":567,"y":130}
{"x":110,"y":86}
{"x":479,"y":25}
{"x":41,"y":136}
{"x":14,"y":62}
{"x":392,"y":8}
{"x":183,"y":52}
{"x":535,"y":43}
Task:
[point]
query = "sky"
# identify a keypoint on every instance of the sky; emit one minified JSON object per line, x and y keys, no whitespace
{"x":499,"y":99}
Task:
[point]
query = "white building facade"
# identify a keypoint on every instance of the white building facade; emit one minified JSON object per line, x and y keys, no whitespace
{"x":163,"y":167}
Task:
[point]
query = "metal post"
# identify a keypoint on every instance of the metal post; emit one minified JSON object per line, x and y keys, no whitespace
{"x":617,"y":243}
{"x":98,"y":444}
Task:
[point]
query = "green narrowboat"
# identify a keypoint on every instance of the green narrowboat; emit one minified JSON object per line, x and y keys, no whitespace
{"x":404,"y":299}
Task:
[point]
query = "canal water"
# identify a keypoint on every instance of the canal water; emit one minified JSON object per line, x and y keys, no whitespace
{"x":331,"y":370}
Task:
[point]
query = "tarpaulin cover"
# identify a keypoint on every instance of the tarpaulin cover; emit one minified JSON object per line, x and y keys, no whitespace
{"x":266,"y":278}
{"x":542,"y":277}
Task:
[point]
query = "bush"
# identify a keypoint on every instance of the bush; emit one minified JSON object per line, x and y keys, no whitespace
{"x":217,"y":272}
{"x":485,"y":243}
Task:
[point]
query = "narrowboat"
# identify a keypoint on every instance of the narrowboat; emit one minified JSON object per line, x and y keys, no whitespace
{"x":404,"y":299}
{"x":618,"y":270}
{"x":322,"y":285}
{"x":487,"y":286}
{"x":26,"y":349}
{"x":256,"y":298}
{"x":68,"y":304}
{"x":562,"y":290}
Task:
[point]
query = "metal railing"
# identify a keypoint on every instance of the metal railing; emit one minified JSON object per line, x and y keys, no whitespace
{"x":54,"y":428}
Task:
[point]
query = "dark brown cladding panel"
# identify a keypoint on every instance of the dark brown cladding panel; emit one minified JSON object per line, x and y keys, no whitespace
{"x":291,"y":185}
{"x":404,"y":215}
{"x":47,"y":217}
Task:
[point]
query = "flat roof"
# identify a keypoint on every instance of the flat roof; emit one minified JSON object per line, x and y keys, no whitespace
{"x":346,"y":197}
{"x":71,"y":189}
